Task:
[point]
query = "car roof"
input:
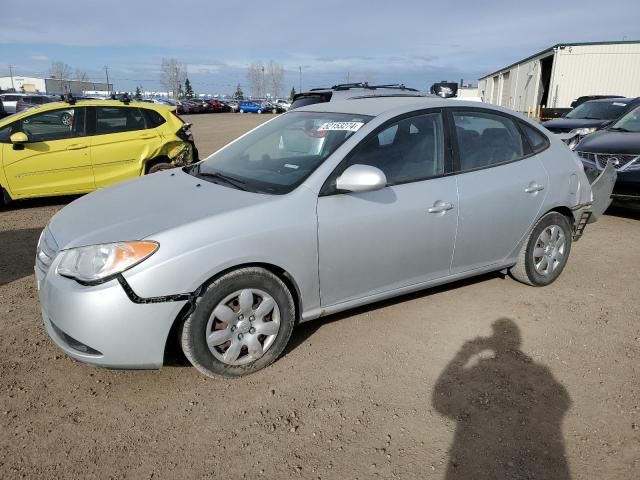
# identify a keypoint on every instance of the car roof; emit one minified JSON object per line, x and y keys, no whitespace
{"x":88,"y":103}
{"x":377,"y":105}
{"x":614,"y":99}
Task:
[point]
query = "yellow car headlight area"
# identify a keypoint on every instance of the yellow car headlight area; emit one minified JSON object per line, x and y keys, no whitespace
{"x":96,"y":264}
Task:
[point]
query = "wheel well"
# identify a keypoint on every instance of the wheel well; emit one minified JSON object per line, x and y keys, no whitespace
{"x":4,"y":196}
{"x":566,"y":212}
{"x":173,"y":339}
{"x":155,"y":161}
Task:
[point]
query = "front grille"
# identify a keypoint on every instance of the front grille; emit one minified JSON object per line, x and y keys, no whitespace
{"x":620,"y":162}
{"x":46,"y":252}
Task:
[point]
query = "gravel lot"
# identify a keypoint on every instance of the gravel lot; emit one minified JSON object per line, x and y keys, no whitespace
{"x":378,"y":392}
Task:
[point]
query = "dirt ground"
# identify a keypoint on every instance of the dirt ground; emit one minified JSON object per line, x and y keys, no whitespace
{"x":485,"y":378}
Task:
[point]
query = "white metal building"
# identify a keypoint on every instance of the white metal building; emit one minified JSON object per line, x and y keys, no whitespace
{"x":19,"y":83}
{"x":560,"y":74}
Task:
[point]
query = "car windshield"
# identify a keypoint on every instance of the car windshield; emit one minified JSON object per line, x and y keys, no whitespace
{"x":278,"y":156}
{"x":598,"y":110}
{"x":629,"y":123}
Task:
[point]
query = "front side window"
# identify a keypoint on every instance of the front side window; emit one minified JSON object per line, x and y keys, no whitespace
{"x":486,"y":139}
{"x":279,"y":155}
{"x":408,"y":150}
{"x":52,"y":125}
{"x":118,"y":119}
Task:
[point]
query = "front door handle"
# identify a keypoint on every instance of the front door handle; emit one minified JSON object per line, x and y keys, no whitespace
{"x":440,"y":207}
{"x":77,"y":146}
{"x":534,"y":187}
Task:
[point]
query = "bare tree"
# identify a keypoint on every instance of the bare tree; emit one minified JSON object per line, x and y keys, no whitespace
{"x":275,"y":74}
{"x":255,"y":79}
{"x":82,"y":76}
{"x":172,"y":75}
{"x":60,"y":70}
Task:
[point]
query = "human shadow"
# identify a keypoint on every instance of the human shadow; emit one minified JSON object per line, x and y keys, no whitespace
{"x":17,"y":253}
{"x":508,"y":411}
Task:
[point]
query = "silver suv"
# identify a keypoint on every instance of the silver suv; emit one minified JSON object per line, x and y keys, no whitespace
{"x":322,"y":209}
{"x":346,"y":91}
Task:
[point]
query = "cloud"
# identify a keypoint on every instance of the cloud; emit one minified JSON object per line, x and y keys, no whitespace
{"x":40,"y":58}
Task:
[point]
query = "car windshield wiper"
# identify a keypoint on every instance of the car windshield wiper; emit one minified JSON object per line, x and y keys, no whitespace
{"x":619,"y":129}
{"x":591,"y":118}
{"x":234,"y":182}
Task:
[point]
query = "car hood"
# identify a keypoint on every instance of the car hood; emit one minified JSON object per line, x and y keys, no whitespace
{"x":573,"y":123}
{"x":607,"y":141}
{"x":138,"y":208}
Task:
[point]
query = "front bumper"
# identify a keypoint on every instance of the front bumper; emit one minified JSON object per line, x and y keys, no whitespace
{"x":102,"y":326}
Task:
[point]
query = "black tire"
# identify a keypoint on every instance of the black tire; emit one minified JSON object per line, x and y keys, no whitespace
{"x":5,"y":199}
{"x":158,"y":167}
{"x":525,"y":269}
{"x":194,"y":329}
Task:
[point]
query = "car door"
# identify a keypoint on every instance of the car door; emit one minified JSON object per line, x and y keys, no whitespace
{"x":501,"y":187}
{"x":56,"y":158}
{"x":401,"y":235}
{"x":121,"y":143}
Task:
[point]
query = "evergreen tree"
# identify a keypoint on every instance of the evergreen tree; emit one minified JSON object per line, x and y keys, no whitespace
{"x":188,"y":90}
{"x":138,"y":94}
{"x":293,"y":92}
{"x":180,"y":91}
{"x":239,"y":95}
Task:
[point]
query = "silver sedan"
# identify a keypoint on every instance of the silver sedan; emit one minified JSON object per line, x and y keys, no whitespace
{"x":322,"y":209}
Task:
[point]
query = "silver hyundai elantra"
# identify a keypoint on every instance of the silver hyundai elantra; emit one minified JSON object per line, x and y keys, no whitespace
{"x":319,"y":210}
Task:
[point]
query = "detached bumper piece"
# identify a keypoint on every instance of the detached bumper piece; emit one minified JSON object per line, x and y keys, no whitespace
{"x":580,"y":225}
{"x":601,"y":189}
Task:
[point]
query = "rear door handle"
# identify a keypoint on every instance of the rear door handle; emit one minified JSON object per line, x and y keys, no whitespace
{"x":534,"y":187}
{"x":440,"y":207}
{"x":77,"y":146}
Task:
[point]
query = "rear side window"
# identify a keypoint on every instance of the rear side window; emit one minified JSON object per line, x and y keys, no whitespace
{"x":118,"y":119}
{"x":486,"y":139}
{"x":154,"y":119}
{"x":11,"y":98}
{"x":536,"y":139}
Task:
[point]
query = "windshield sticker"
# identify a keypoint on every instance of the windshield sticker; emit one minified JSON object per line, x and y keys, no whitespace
{"x":288,"y":165}
{"x":618,"y":104}
{"x":341,"y":126}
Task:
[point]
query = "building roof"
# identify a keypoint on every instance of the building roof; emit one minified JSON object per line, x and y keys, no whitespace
{"x":550,"y":49}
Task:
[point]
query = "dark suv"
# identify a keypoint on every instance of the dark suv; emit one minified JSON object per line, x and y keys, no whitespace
{"x":592,"y":115}
{"x":351,"y":90}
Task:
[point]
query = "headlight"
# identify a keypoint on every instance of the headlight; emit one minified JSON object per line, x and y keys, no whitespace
{"x":583,"y":131}
{"x":98,"y":263}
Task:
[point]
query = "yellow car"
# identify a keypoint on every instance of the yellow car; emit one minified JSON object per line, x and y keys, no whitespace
{"x":65,"y":148}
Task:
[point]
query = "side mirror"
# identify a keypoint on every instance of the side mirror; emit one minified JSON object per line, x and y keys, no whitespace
{"x":19,"y":138}
{"x":361,"y":178}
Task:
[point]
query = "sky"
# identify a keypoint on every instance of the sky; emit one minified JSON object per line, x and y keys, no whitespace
{"x":412,"y":42}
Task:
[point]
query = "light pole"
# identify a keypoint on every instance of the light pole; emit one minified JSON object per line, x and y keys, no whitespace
{"x":263,"y":89}
{"x":300,"y":79}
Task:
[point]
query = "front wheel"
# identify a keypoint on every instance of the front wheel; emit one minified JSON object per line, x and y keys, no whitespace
{"x":241,"y":323}
{"x":546,"y":251}
{"x":259,"y":111}
{"x":241,"y":111}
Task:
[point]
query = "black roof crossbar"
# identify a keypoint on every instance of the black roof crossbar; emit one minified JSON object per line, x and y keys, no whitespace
{"x":68,"y":98}
{"x":347,"y":86}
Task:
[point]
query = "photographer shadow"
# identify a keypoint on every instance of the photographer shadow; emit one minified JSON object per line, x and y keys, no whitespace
{"x":508,"y":411}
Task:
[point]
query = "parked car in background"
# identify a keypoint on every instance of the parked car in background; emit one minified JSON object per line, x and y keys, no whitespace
{"x":591,"y":115}
{"x":284,"y":104}
{"x":619,"y":144}
{"x":245,"y":106}
{"x":64,"y":148}
{"x":585,"y":98}
{"x":318,"y":211}
{"x":216,"y":105}
{"x":3,"y":112}
{"x":16,"y":102}
{"x":233,"y":105}
{"x":350,"y":90}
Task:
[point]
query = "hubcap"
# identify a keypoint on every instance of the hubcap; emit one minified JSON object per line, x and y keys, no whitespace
{"x":550,"y":250}
{"x":243,"y":326}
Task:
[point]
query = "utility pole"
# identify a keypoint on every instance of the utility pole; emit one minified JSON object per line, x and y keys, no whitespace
{"x":106,"y":71}
{"x":11,"y":73}
{"x":300,"y":84}
{"x":263,"y":90}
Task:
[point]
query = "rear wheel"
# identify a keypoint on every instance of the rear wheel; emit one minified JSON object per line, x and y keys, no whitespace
{"x":241,"y":110}
{"x":546,"y":251}
{"x":241,"y":323}
{"x":259,"y":111}
{"x":158,"y":167}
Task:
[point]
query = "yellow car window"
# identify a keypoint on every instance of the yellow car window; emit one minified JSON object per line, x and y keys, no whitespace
{"x":118,"y":119}
{"x":54,"y":125}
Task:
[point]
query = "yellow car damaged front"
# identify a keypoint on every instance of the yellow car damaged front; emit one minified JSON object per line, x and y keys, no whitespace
{"x":71,"y":148}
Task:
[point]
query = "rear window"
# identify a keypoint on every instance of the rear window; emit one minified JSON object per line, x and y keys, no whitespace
{"x":10,"y":98}
{"x":312,"y":99}
{"x":154,"y":119}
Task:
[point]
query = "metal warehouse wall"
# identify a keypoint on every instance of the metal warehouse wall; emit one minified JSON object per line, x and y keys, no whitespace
{"x":516,"y":88}
{"x":595,"y":70}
